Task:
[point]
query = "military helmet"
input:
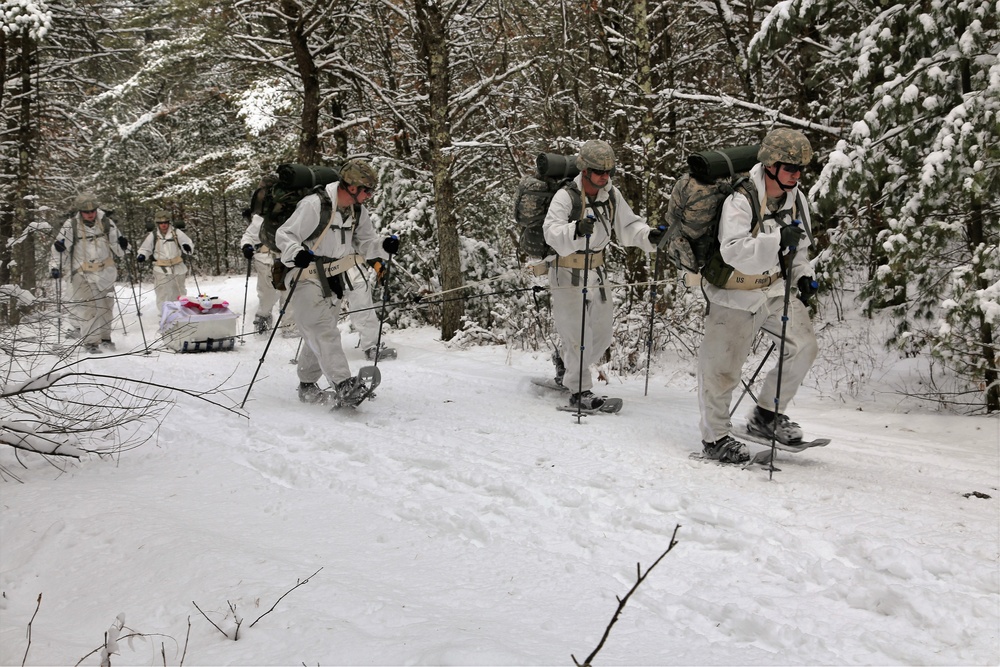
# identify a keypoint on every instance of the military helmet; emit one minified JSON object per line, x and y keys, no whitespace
{"x":358,"y":172}
{"x":783,"y":144}
{"x":86,"y":201}
{"x":596,"y":154}
{"x":161,"y":216}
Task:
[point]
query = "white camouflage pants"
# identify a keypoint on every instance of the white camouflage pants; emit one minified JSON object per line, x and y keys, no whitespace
{"x":358,"y":292}
{"x":267,"y":296}
{"x":316,"y":317}
{"x":567,"y":314}
{"x":168,"y":287}
{"x":729,"y":337}
{"x":91,"y":307}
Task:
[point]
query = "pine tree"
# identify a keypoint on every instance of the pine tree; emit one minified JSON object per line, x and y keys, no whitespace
{"x":914,"y":182}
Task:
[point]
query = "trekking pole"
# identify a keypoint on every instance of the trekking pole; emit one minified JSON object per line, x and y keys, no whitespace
{"x":583,"y":328}
{"x":652,"y":307}
{"x":284,"y":305}
{"x":246,"y":288}
{"x":785,"y":273}
{"x":194,"y":274}
{"x":121,"y":315}
{"x":59,"y":303}
{"x":749,"y":383}
{"x":385,"y":306}
{"x":135,"y":298}
{"x":295,"y":359}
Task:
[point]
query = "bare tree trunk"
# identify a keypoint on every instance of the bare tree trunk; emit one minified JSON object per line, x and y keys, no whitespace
{"x":6,"y":203}
{"x":309,"y":131}
{"x":434,"y":49}
{"x":17,"y":262}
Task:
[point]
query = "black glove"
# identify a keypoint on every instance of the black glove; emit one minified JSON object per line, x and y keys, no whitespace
{"x":56,"y":274}
{"x":791,"y":236}
{"x":807,"y":287}
{"x":123,"y":241}
{"x":585,"y":227}
{"x":59,"y":245}
{"x":248,"y":251}
{"x":186,"y":248}
{"x":140,"y":258}
{"x":391,"y":244}
{"x":303,"y":258}
{"x":656,"y":234}
{"x":337,"y":285}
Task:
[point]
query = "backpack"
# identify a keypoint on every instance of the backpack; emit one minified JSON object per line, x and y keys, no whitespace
{"x":553,"y":172}
{"x":692,"y":238}
{"x":278,"y":194}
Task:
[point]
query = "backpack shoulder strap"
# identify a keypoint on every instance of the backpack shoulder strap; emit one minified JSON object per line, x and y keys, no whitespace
{"x":745,"y":185}
{"x":325,"y":214}
{"x":800,"y":205}
{"x":612,"y":205}
{"x":576,"y":198}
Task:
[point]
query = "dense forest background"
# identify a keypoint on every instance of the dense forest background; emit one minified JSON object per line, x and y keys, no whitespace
{"x":185,"y":104}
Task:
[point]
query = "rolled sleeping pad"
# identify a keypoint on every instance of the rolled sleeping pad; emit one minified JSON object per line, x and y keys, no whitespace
{"x":554,"y":165}
{"x":292,"y":175}
{"x":722,"y":163}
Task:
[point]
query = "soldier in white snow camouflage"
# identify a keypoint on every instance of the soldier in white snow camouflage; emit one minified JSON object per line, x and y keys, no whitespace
{"x":737,"y":313}
{"x":578,"y":226}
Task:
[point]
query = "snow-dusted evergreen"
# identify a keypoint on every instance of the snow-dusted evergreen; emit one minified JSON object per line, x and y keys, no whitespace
{"x":912,"y":184}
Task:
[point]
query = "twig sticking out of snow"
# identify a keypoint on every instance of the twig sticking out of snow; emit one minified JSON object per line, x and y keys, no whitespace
{"x":640,"y":577}
{"x":300,"y":583}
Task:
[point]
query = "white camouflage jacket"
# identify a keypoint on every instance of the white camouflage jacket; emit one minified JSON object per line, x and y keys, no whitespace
{"x":758,"y":254}
{"x":343,"y":238}
{"x":90,"y":252}
{"x":560,"y":230}
{"x":166,"y":249}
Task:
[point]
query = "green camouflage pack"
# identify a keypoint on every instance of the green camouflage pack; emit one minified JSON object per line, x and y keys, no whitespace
{"x":693,"y":214}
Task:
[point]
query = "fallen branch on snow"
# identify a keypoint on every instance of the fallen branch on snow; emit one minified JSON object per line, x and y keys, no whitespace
{"x":641,"y":576}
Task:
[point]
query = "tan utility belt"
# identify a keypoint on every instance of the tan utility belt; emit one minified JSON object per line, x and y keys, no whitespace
{"x":578,"y":260}
{"x":738,"y":280}
{"x":168,"y":262}
{"x":263,"y":249}
{"x":93,"y":267}
{"x":336,"y":267}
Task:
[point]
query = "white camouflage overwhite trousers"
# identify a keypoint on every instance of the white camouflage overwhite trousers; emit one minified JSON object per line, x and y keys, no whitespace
{"x":316,"y":317}
{"x":169,"y":284}
{"x":267,"y":296}
{"x":358,"y":292}
{"x":729,"y":337}
{"x":567,"y":313}
{"x":91,"y":304}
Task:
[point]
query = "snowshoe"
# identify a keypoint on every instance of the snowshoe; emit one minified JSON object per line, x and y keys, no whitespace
{"x":261,"y":324}
{"x":352,"y":391}
{"x":587,"y":402}
{"x":383,"y":353}
{"x":549,"y":383}
{"x":309,"y":392}
{"x":763,"y":424}
{"x":794,"y":447}
{"x":761,"y":458}
{"x":787,"y":434}
{"x":726,"y":449}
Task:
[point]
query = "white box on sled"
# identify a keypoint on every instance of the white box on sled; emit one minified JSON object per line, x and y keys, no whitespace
{"x":198,"y":324}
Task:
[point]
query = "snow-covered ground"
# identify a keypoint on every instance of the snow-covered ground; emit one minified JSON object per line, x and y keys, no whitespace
{"x":460,"y":519}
